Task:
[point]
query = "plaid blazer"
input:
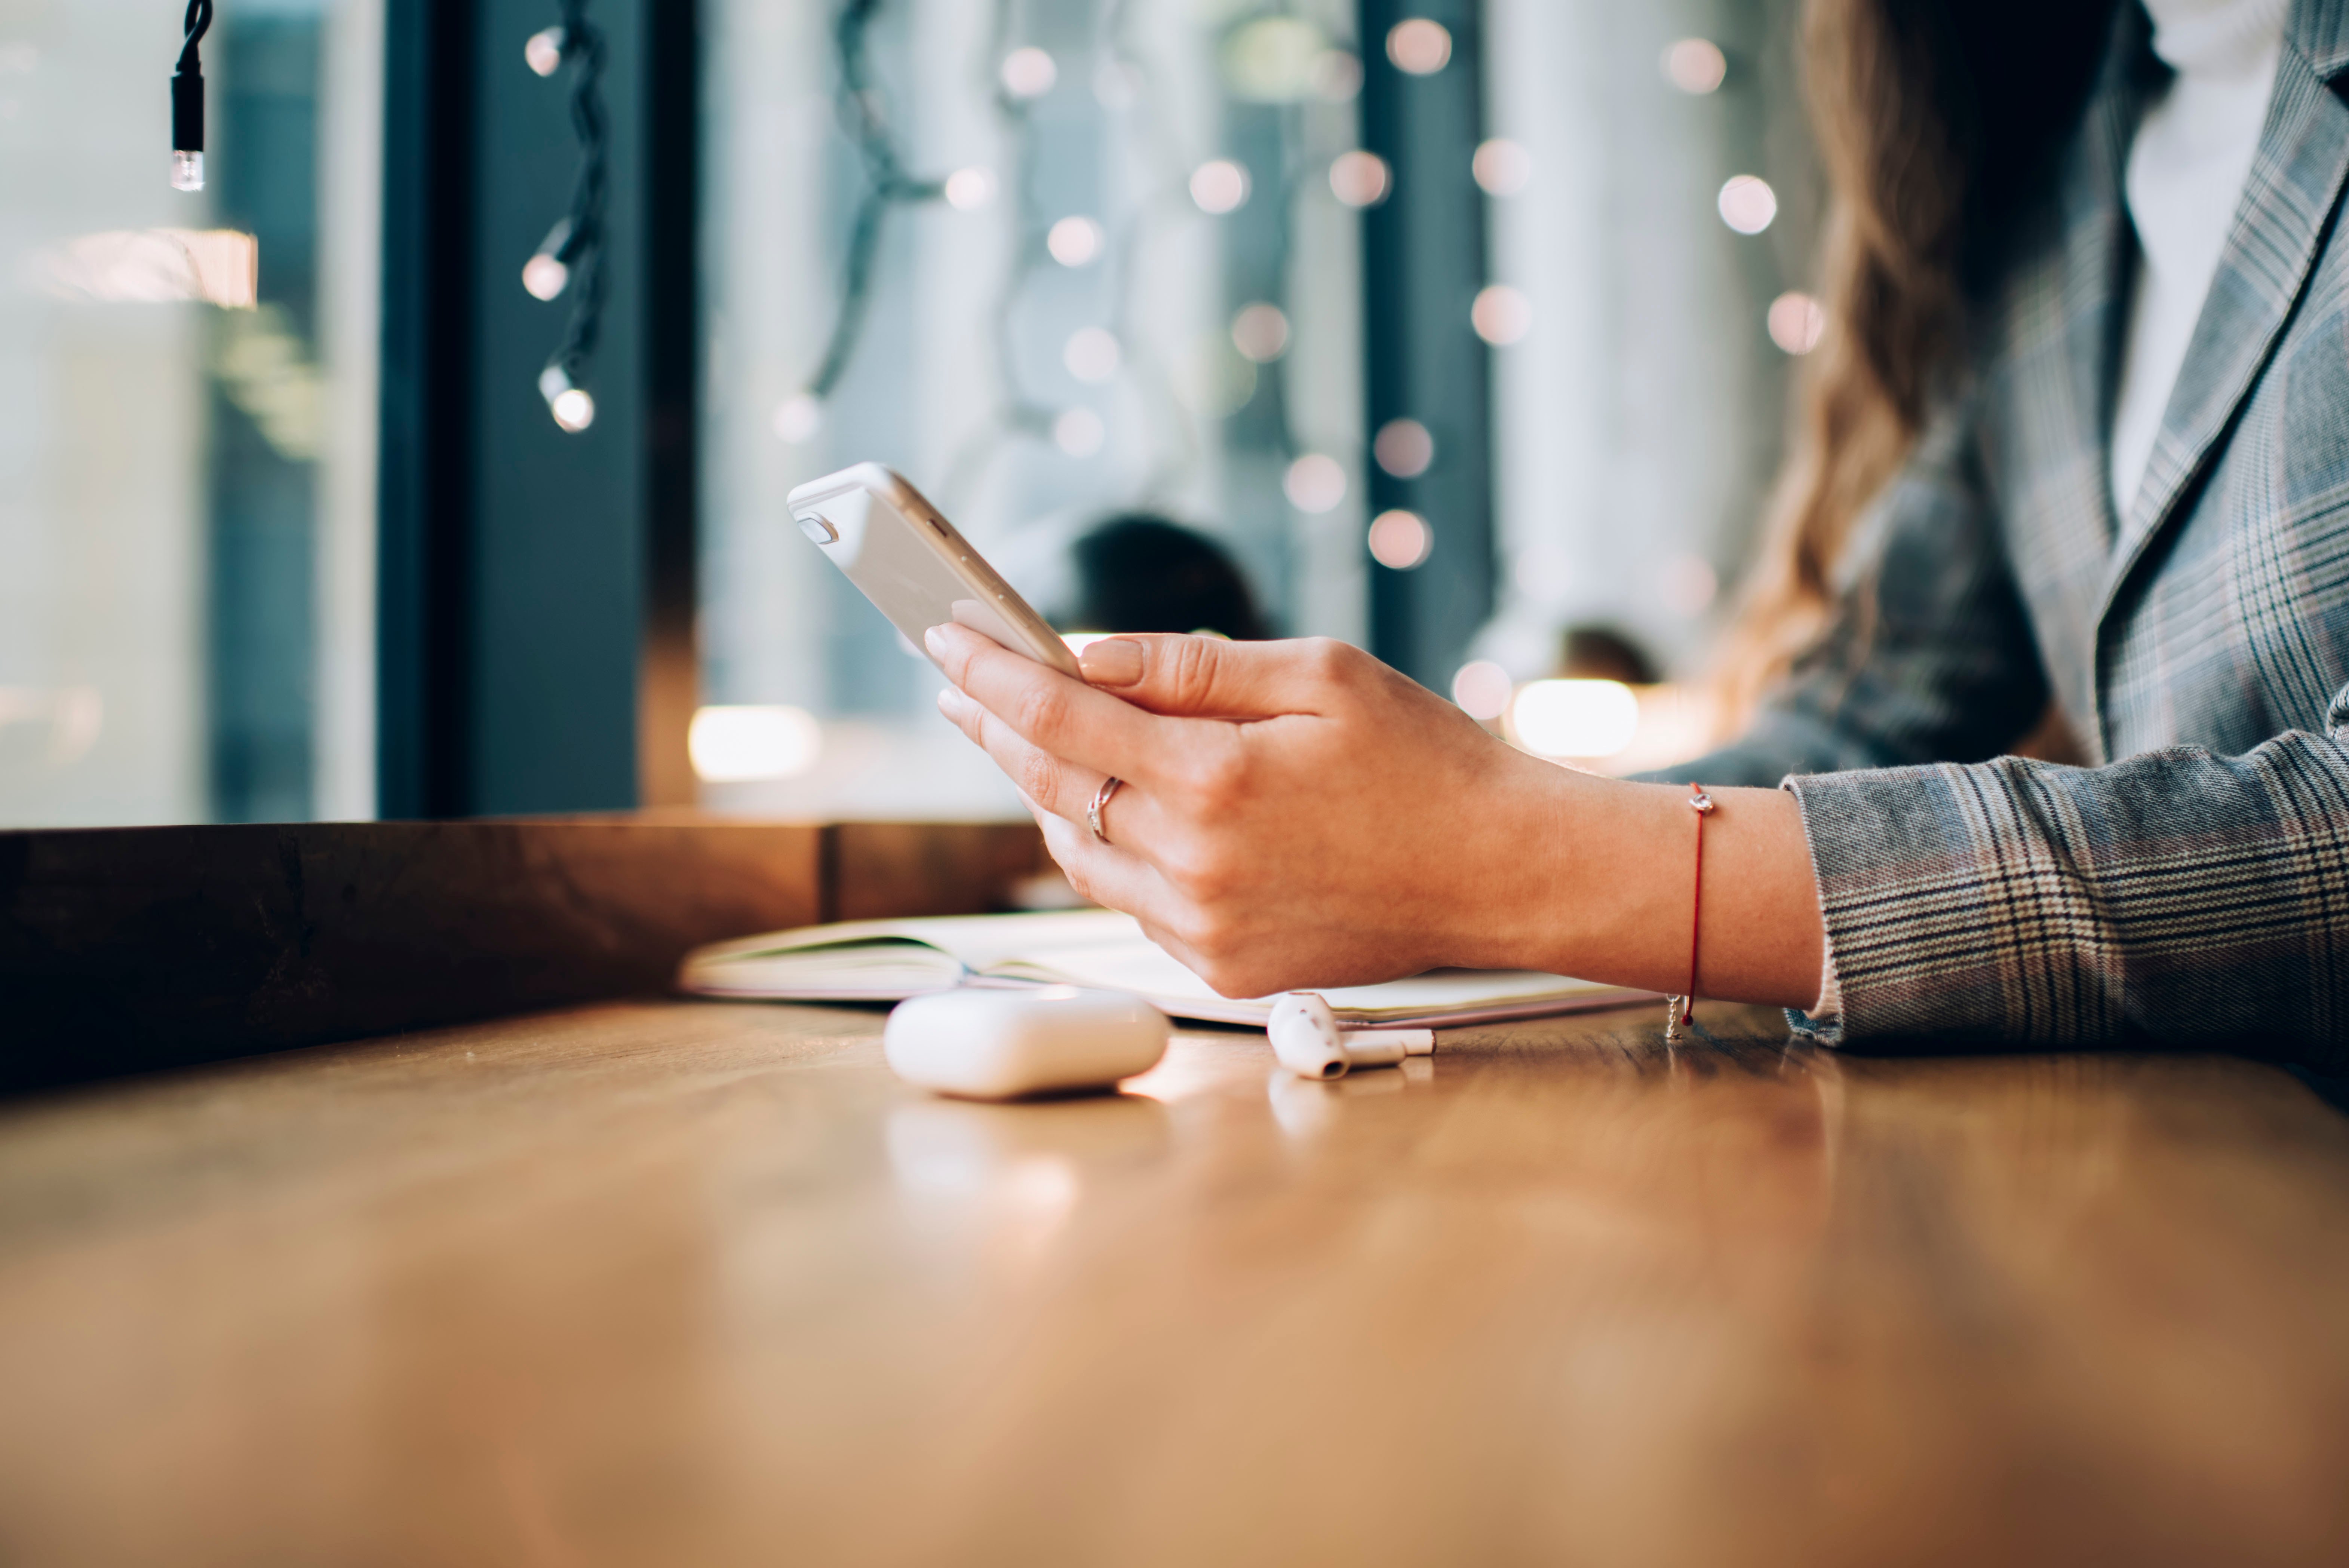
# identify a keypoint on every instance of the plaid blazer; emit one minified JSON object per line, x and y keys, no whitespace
{"x":2193,"y":886}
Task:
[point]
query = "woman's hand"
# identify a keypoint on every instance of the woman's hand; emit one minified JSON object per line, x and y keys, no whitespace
{"x":1298,"y":815}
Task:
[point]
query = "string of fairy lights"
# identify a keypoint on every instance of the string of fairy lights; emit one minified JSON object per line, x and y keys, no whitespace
{"x":570,"y":259}
{"x":1177,"y":189}
{"x":1314,"y":480}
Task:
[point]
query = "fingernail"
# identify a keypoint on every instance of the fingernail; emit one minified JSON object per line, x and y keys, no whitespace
{"x":935,"y":640}
{"x":1116,"y":662}
{"x":952,"y":704}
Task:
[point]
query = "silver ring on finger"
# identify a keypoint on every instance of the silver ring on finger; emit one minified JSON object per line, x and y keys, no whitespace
{"x":1100,"y":798}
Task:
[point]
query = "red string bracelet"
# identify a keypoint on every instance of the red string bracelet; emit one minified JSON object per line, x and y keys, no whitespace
{"x":1683,"y":1007}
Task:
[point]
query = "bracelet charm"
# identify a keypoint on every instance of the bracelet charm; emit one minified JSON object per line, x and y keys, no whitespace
{"x":1682,"y":1008}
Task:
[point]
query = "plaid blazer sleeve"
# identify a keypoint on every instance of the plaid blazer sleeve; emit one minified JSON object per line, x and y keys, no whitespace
{"x":2175,"y":898}
{"x":1931,"y":657}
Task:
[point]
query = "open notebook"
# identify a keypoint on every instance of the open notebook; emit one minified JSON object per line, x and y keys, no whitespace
{"x":886,"y":960}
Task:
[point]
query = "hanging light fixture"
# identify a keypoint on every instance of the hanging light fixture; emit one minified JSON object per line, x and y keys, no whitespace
{"x":188,"y":101}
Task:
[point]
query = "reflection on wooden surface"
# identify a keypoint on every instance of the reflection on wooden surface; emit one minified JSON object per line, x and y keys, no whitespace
{"x":693,"y":1283}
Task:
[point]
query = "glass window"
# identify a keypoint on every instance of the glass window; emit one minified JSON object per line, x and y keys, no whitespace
{"x":1062,"y":268}
{"x":186,"y":481}
{"x":1654,"y":196}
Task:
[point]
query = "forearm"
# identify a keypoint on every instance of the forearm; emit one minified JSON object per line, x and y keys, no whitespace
{"x":1611,"y":893}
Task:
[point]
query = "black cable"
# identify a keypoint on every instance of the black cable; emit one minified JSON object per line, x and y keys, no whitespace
{"x":863,"y":117}
{"x":577,"y":239}
{"x":199,"y":22}
{"x":188,"y":100}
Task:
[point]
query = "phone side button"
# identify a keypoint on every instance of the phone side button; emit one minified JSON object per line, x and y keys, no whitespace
{"x":816,"y":526}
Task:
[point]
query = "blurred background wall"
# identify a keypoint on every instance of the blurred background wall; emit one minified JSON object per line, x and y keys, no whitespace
{"x":1452,"y":328}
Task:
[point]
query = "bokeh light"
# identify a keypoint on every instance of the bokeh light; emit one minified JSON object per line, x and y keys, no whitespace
{"x":1400,"y":540}
{"x":1574,"y":717}
{"x":1747,"y":203}
{"x":1260,"y":332}
{"x":542,"y":51}
{"x":543,"y":277}
{"x":1403,"y":448}
{"x":1483,"y":690}
{"x":1695,"y":65}
{"x":735,"y":744}
{"x":967,"y":189}
{"x":1360,"y":179}
{"x":1502,"y":167}
{"x":1502,"y":315}
{"x":798,"y":418}
{"x":1219,"y":186}
{"x":1419,"y":46}
{"x":1074,"y":242}
{"x":1796,"y":322}
{"x":1315,"y":483}
{"x":573,"y":408}
{"x":1029,"y":73}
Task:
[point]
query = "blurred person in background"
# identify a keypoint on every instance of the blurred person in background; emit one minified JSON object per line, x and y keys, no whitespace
{"x":1140,"y":572}
{"x":1603,"y":653}
{"x":2076,"y":444}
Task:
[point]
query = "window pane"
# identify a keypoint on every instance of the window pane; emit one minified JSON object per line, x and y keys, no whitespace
{"x":1638,"y":423}
{"x":186,"y":464}
{"x":1116,"y":278}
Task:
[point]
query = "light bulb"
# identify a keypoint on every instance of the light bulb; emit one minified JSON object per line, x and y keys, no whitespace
{"x":575,"y":411}
{"x":573,"y":406}
{"x":543,"y":277}
{"x":1360,"y":179}
{"x":1030,"y":72}
{"x":1219,"y":185}
{"x":1420,"y":46}
{"x":187,"y":170}
{"x":798,"y":418}
{"x":1260,"y":332}
{"x":967,"y":189}
{"x":1315,"y":483}
{"x":1400,"y":540}
{"x":544,"y":51}
{"x":1747,"y":203}
{"x":1074,"y":242}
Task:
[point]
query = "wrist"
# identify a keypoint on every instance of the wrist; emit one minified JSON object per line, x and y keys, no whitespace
{"x":1569,"y":874}
{"x":1596,"y":877}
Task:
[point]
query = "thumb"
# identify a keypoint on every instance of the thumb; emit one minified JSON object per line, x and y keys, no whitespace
{"x":1208,"y":678}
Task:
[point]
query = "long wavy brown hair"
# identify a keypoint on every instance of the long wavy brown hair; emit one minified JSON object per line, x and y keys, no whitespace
{"x":1934,"y":119}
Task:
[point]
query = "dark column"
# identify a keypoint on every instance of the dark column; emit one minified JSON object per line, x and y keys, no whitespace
{"x":1423,"y":261}
{"x":536,"y":584}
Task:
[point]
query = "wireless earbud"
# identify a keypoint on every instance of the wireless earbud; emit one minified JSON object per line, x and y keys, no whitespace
{"x":1309,"y":1043}
{"x":1305,"y":1036}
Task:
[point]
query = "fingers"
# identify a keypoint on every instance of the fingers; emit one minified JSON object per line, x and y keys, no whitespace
{"x":1062,"y":788}
{"x":1206,"y":677}
{"x":1115,"y":880}
{"x":1066,"y":718}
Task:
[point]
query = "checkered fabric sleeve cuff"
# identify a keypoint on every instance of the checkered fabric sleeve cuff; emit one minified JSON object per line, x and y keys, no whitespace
{"x":2176,"y":899}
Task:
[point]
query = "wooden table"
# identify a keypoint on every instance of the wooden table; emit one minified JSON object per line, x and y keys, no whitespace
{"x":687,"y":1284}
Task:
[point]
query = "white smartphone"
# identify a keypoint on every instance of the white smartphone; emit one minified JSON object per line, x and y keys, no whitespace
{"x":904,"y":557}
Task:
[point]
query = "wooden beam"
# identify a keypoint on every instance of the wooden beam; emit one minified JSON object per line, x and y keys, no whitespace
{"x":127,"y":950}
